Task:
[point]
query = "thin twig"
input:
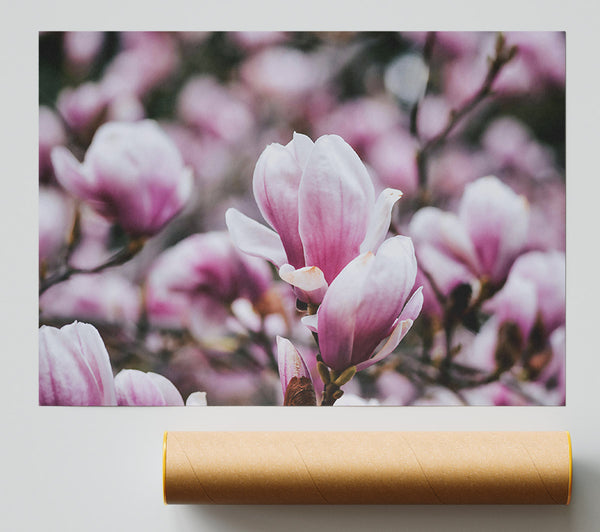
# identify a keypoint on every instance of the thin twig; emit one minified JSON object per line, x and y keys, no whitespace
{"x":122,"y":256}
{"x":502,"y":57}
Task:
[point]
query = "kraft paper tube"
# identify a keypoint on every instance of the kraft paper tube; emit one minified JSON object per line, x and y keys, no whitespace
{"x":367,"y":467}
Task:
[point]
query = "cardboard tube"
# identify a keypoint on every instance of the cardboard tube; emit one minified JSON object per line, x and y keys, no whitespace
{"x":367,"y":467}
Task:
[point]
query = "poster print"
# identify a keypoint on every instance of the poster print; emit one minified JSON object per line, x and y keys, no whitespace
{"x":271,"y":218}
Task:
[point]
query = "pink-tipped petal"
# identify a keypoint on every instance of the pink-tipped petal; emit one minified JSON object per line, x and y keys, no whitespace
{"x":254,"y":238}
{"x":390,"y":344}
{"x":497,"y":220}
{"x":136,"y":388}
{"x":301,"y":146}
{"x":517,"y":302}
{"x":379,"y":224}
{"x":336,"y":197}
{"x":387,"y":289}
{"x":309,"y":282}
{"x":275,"y":183}
{"x":409,"y":314}
{"x":290,"y":362}
{"x":74,"y":367}
{"x":337,"y":314}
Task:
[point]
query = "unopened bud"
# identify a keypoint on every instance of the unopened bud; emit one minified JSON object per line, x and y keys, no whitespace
{"x":345,"y":376}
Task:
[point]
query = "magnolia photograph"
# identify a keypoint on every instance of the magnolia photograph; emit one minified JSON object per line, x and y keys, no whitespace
{"x":302,"y":218}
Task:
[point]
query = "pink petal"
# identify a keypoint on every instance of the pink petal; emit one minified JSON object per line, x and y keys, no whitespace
{"x":70,"y":173}
{"x":405,"y":321}
{"x":386,"y":290}
{"x":309,"y":282}
{"x":290,"y":363}
{"x":337,"y":314}
{"x":446,"y":272}
{"x":443,"y":231}
{"x":335,"y":199}
{"x":379,"y":224}
{"x":275,"y":183}
{"x":136,"y":388}
{"x":74,"y":367}
{"x":301,"y":146}
{"x":496,"y":220}
{"x":517,"y":302}
{"x":254,"y":238}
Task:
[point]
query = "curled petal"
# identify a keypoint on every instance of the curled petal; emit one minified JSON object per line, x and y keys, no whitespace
{"x":380,"y":219}
{"x":335,"y":199}
{"x":311,"y":322}
{"x":309,"y":282}
{"x":196,"y":399}
{"x":301,"y":146}
{"x":254,"y":238}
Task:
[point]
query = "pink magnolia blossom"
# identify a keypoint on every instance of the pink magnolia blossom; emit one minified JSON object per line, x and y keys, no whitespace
{"x":74,"y":367}
{"x":200,"y":274}
{"x":132,"y":173}
{"x":532,"y":301}
{"x":483,"y":240}
{"x":136,"y":388}
{"x":320,"y":200}
{"x":535,"y":286}
{"x":51,"y":134}
{"x":368,"y":303}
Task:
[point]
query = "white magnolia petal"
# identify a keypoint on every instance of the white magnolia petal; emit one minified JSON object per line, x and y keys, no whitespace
{"x":311,"y":322}
{"x":196,"y":399}
{"x":254,"y":238}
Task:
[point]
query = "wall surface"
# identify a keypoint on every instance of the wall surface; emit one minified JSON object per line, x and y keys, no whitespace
{"x":97,"y":469}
